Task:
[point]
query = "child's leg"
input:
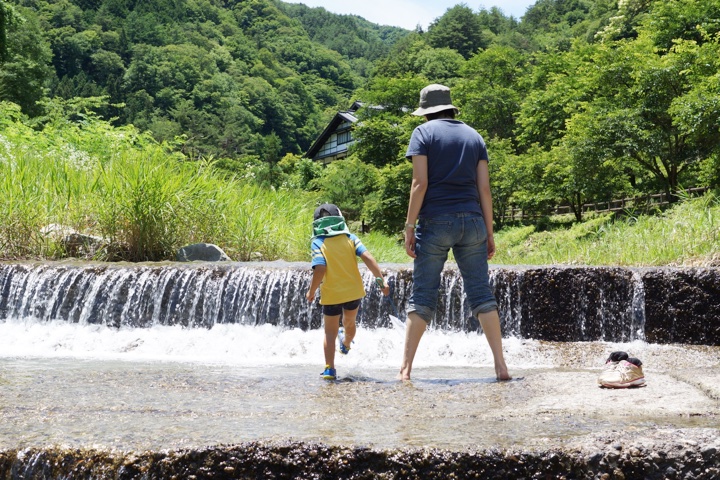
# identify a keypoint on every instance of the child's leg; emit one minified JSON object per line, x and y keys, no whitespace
{"x":348,"y":320}
{"x":332,"y":325}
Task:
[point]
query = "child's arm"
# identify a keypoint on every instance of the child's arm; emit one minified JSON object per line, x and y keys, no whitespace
{"x":318,"y":274}
{"x":375,"y":269}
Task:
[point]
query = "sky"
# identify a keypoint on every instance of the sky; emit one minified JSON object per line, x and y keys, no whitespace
{"x":410,"y":13}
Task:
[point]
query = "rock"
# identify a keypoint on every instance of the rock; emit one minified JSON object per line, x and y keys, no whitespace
{"x":82,"y":245}
{"x":75,"y":244}
{"x":202,"y":252}
{"x":708,"y":452}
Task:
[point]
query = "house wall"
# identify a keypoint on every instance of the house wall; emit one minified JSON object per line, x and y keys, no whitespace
{"x":337,"y":144}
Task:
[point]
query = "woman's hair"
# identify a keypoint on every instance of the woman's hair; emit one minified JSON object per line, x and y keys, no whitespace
{"x":449,"y":113}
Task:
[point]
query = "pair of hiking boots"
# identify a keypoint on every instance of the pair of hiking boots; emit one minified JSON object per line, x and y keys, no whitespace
{"x":621,"y":371}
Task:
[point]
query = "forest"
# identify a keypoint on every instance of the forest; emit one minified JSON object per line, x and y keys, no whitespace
{"x":580,"y":101}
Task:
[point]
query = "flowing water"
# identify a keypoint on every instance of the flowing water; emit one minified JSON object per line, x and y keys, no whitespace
{"x":148,"y":358}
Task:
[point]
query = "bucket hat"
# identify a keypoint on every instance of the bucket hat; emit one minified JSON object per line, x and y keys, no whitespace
{"x":434,"y":98}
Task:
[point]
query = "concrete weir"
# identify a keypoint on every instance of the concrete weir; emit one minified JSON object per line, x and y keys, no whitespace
{"x":77,"y":407}
{"x":565,"y":304}
{"x":671,"y":455}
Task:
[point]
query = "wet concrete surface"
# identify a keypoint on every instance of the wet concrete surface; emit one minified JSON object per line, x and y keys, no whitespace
{"x":69,"y":418}
{"x":135,"y":405}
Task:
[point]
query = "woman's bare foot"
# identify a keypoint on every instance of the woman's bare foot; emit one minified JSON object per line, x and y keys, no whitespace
{"x":501,"y":373}
{"x":404,"y":374}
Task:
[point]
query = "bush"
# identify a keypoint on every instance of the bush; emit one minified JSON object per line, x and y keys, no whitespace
{"x":386,"y":208}
{"x":348,"y":183}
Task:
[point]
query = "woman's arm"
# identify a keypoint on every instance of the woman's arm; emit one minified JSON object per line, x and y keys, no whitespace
{"x":483,"y":186}
{"x":417,"y":195}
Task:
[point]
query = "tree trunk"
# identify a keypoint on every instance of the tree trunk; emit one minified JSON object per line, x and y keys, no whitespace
{"x":672,"y":184}
{"x":576,"y":206}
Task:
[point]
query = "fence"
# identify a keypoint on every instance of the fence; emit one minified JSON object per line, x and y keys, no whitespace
{"x":642,"y":203}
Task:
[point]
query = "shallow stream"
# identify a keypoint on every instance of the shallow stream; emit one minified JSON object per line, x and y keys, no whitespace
{"x":174,"y":387}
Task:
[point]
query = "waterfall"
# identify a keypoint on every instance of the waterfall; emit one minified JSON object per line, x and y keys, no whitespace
{"x":545,"y":303}
{"x":146,"y":295}
{"x":638,"y":307}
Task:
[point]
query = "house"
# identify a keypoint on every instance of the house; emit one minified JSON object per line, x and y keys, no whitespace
{"x":333,"y":142}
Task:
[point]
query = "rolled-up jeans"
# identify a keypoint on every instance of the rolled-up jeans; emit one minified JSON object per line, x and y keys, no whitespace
{"x":466,"y":235}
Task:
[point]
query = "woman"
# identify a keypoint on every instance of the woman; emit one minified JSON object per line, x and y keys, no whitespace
{"x":451,"y":201}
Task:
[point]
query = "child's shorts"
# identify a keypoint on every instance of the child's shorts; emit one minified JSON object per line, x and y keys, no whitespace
{"x":332,"y":310}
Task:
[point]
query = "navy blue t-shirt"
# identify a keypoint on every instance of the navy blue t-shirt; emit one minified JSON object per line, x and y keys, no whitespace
{"x":453,"y":150}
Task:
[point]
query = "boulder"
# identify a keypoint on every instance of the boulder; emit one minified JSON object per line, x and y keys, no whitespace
{"x":202,"y":252}
{"x":75,"y":243}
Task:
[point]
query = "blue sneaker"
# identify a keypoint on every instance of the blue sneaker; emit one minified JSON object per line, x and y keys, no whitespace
{"x":341,"y":342}
{"x":329,"y":373}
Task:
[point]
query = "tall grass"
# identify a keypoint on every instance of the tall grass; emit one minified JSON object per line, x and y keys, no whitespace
{"x":143,"y":201}
{"x":384,"y":248}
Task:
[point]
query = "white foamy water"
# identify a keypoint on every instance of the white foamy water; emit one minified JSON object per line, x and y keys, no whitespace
{"x":269,"y":345}
{"x":230,"y":344}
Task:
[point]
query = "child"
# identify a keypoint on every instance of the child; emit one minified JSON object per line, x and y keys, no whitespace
{"x":333,"y":259}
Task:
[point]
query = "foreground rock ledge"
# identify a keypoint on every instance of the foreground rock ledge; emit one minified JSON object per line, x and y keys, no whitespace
{"x":671,"y":453}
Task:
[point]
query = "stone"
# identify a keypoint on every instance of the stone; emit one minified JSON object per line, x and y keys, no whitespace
{"x":76,"y":244}
{"x":202,"y":252}
{"x":82,"y":245}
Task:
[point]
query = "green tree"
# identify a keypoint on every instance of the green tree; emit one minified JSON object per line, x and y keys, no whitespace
{"x":653,"y":122}
{"x":495,"y":22}
{"x":505,"y":178}
{"x":695,"y":20}
{"x":348,"y":183}
{"x":697,"y":113}
{"x":401,"y":59}
{"x":575,"y":177}
{"x":378,"y":142}
{"x":459,"y":29}
{"x":299,"y":172}
{"x":561,"y":83}
{"x":624,"y":23}
{"x":7,"y":16}
{"x":556,"y":85}
{"x":544,"y":109}
{"x":518,"y":181}
{"x":441,"y":65}
{"x":387,"y":205}
{"x":490,"y":92}
{"x":26,"y":70}
{"x":394,"y":95}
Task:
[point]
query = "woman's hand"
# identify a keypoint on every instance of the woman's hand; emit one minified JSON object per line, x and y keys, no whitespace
{"x":410,"y":242}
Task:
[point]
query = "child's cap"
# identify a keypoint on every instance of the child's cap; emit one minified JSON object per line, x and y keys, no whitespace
{"x":327,"y":210}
